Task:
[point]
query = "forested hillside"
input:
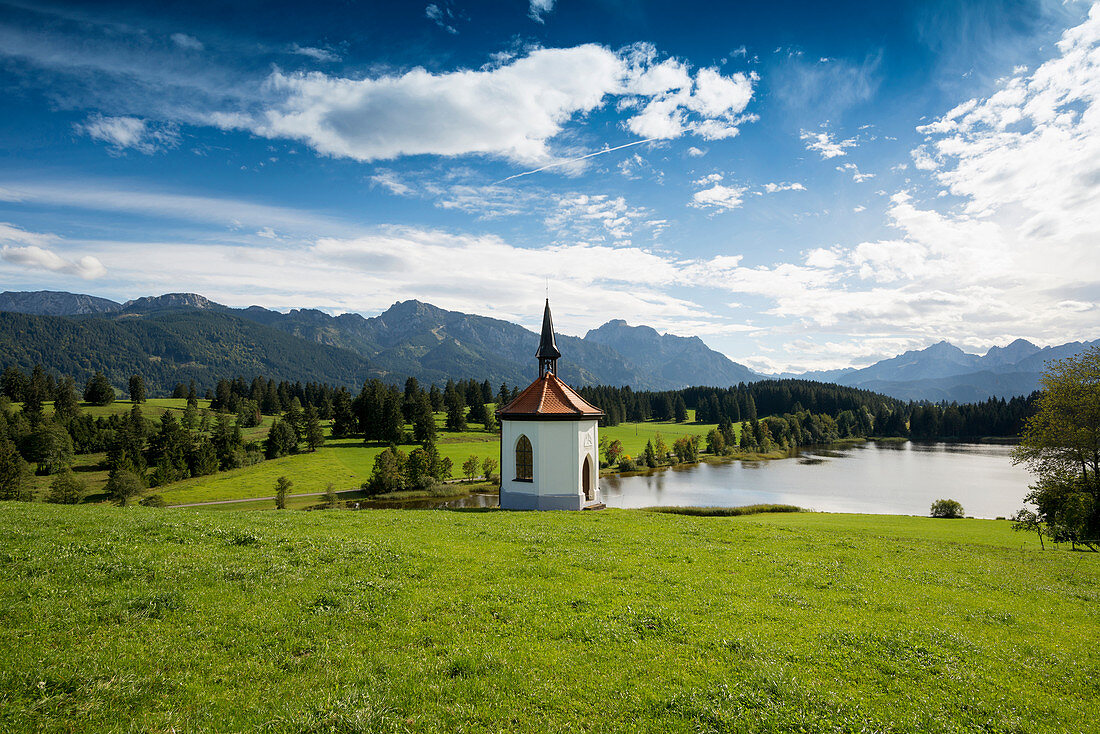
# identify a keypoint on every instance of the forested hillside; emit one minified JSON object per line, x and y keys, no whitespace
{"x":170,"y":347}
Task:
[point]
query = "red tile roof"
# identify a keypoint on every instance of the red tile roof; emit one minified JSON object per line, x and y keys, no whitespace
{"x":549,"y":398}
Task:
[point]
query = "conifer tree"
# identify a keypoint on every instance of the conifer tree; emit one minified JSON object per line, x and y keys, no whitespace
{"x":423,"y":419}
{"x":314,"y":434}
{"x":66,"y":404}
{"x":15,"y":481}
{"x":137,"y":388}
{"x":98,"y":391}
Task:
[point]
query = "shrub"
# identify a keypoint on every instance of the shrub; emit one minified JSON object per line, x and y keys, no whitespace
{"x":66,"y":489}
{"x":282,"y":486}
{"x":947,"y":508}
{"x":626,"y":463}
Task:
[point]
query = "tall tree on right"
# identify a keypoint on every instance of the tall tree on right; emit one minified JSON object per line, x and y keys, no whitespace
{"x":1060,"y":444}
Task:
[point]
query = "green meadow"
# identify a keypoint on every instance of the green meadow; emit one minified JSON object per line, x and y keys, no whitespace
{"x":141,"y":619}
{"x":344,"y":462}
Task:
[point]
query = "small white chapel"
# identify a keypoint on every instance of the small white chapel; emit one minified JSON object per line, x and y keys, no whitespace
{"x":548,"y":440}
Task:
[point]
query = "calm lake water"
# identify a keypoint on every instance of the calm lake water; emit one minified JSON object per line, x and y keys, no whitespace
{"x":886,"y":478}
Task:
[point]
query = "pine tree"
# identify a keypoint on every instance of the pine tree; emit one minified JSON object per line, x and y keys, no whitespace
{"x":680,"y":410}
{"x":15,"y":479}
{"x":423,"y":419}
{"x":343,"y":416}
{"x":98,"y":391}
{"x":314,"y":434}
{"x":66,"y":404}
{"x":137,"y":388}
{"x":456,"y":408}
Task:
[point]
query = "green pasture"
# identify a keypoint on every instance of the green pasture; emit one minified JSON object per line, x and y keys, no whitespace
{"x":344,"y":462}
{"x":140,"y":619}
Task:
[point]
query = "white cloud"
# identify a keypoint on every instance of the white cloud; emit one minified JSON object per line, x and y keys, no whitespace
{"x":854,"y":170}
{"x":859,"y":208}
{"x":187,"y":42}
{"x":540,"y":8}
{"x":512,"y":110}
{"x":825,"y":144}
{"x":28,"y":249}
{"x":595,"y":216}
{"x":388,"y":180}
{"x":723,"y":198}
{"x":441,"y":16}
{"x":694,"y":152}
{"x":772,"y":188}
{"x":267,"y":233}
{"x":709,"y":106}
{"x":370,"y":271}
{"x":710,"y":178}
{"x":315,"y":53}
{"x":121,"y":133}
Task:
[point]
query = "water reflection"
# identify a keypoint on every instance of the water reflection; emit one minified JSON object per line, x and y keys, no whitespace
{"x":887,"y":477}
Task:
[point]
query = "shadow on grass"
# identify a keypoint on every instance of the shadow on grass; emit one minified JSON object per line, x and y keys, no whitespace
{"x":723,"y":511}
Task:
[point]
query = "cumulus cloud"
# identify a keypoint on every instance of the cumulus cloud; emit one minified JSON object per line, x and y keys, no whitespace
{"x":121,"y":133}
{"x":722,"y":198}
{"x":772,"y":188}
{"x":29,"y":250}
{"x":854,"y":170}
{"x":539,"y":9}
{"x":672,"y":102}
{"x":825,"y":144}
{"x":511,"y":109}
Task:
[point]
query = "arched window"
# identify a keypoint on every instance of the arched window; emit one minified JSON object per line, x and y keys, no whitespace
{"x":524,"y":460}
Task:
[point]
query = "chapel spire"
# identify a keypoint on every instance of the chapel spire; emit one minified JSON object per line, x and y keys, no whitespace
{"x":547,"y":353}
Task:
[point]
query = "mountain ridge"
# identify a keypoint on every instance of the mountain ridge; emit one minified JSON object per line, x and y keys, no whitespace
{"x":415,"y":338}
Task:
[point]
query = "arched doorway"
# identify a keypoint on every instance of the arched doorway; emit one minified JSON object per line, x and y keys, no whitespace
{"x":586,"y":479}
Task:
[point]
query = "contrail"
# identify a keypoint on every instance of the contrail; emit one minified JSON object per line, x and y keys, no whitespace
{"x":574,"y":160}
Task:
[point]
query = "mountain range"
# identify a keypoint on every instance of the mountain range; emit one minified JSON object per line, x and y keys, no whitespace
{"x":181,"y":336}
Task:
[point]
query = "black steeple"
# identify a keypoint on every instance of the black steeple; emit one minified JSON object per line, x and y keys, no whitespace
{"x":548,"y":351}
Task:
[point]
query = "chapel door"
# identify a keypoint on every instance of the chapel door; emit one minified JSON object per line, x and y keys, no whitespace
{"x":586,"y":479}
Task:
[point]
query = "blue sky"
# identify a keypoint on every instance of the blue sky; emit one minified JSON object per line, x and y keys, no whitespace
{"x":803,"y":185}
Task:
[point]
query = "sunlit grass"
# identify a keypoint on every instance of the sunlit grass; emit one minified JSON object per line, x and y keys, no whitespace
{"x":173,"y":620}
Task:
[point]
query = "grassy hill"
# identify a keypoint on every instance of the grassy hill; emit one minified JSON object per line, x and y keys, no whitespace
{"x":394,"y":621}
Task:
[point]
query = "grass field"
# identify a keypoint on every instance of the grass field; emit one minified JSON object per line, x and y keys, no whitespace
{"x":346,"y":463}
{"x":432,"y":621}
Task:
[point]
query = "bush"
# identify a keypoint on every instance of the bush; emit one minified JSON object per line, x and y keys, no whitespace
{"x":66,"y":489}
{"x":626,"y":463}
{"x":947,"y":508}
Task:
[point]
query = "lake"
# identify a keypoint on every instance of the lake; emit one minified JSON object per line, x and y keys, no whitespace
{"x":886,"y":478}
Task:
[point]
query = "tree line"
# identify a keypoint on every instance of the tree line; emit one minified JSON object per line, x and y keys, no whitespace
{"x":856,"y":412}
